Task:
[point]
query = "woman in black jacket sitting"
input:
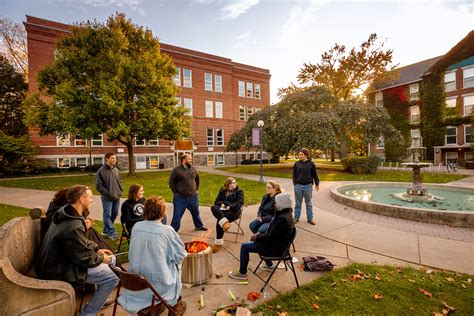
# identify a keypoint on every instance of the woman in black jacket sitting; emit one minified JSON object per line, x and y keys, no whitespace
{"x":266,"y":211}
{"x":226,"y":209}
{"x":132,"y":208}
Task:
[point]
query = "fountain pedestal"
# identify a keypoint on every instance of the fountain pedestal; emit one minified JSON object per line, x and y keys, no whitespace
{"x":417,"y":188}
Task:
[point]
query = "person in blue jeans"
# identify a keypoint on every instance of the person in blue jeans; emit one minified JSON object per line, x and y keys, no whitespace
{"x":109,"y":184}
{"x":304,"y":176}
{"x":184,"y":183}
{"x":266,"y":210}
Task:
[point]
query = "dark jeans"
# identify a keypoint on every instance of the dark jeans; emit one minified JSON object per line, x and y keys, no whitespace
{"x":257,"y":226}
{"x":180,"y":204}
{"x":245,"y":249}
{"x":220,"y":214}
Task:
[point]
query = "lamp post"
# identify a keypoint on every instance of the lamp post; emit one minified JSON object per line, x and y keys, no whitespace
{"x":260,"y":124}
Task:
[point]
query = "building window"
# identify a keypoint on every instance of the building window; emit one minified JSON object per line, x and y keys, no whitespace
{"x":452,"y":156}
{"x":467,"y":134}
{"x":257,"y":91}
{"x":153,"y":142}
{"x":257,"y":110}
{"x":63,"y":140}
{"x":64,"y":162}
{"x":177,"y":77}
{"x":97,"y":160}
{"x":381,"y":143}
{"x":451,"y":102}
{"x":188,"y":78}
{"x":210,"y":137}
{"x":249,"y":89}
{"x":249,"y":112}
{"x":468,"y":77}
{"x":220,"y":160}
{"x":79,"y":141}
{"x":468,"y":155}
{"x":450,"y":81}
{"x":209,"y":109}
{"x":242,"y":113}
{"x":251,"y":156}
{"x":451,"y":137}
{"x":219,"y":113}
{"x":379,"y":99}
{"x":154,"y":162}
{"x":218,"y":83}
{"x":219,"y":137}
{"x":243,"y":156}
{"x":188,"y":104}
{"x":207,"y":81}
{"x":241,"y":89}
{"x":415,"y":114}
{"x":468,"y":102}
{"x":414,"y":92}
{"x":210,"y":160}
{"x":98,"y":140}
{"x":139,"y":142}
{"x":81,"y":162}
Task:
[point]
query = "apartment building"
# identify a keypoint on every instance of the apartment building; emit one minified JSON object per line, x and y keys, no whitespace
{"x":220,"y":94}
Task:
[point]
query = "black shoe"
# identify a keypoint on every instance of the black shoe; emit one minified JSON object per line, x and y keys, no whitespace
{"x":204,"y":228}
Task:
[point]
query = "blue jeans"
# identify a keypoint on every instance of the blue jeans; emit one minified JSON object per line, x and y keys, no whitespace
{"x":257,"y":226}
{"x":303,"y":191}
{"x":110,"y":212}
{"x":245,"y":249}
{"x":180,"y":204}
{"x":105,"y":281}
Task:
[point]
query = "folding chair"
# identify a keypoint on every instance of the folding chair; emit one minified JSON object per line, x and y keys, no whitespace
{"x":285,"y":257}
{"x":126,"y":235}
{"x":136,"y":282}
{"x":239,"y":228}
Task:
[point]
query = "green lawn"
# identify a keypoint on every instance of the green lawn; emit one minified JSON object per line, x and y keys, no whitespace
{"x":155,"y":183}
{"x":334,"y":173}
{"x":352,"y":290}
{"x":8,"y":212}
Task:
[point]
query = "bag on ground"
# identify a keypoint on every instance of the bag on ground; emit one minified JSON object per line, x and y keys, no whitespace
{"x":317,"y":263}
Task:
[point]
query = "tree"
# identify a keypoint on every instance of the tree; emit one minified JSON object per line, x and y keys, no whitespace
{"x":109,"y":78}
{"x":13,"y":44}
{"x":17,"y":153}
{"x":12,"y":93}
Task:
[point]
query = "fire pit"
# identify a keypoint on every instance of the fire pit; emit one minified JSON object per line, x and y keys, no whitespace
{"x":197,"y":266}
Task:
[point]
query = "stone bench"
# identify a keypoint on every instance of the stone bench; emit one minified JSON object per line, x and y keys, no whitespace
{"x":20,"y":291}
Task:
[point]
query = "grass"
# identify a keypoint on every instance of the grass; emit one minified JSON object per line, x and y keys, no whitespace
{"x":8,"y":212}
{"x":335,"y":173}
{"x":401,"y":293}
{"x":155,"y":183}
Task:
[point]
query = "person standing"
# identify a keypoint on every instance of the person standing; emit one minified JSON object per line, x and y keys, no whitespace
{"x":109,"y":184}
{"x":304,"y":176}
{"x":184,"y":182}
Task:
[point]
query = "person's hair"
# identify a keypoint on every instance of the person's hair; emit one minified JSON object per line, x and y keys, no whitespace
{"x":133,"y":191}
{"x":154,"y":208}
{"x":184,"y":157}
{"x":305,"y":151}
{"x":227,"y":183}
{"x":276,"y":186}
{"x":60,"y":197}
{"x":75,"y":192}
{"x":108,"y":155}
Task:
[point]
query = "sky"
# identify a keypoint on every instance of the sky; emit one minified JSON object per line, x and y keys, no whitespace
{"x":279,"y":35}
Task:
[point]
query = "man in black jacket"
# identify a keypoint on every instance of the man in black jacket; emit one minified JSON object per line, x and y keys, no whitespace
{"x":67,"y":255}
{"x":272,"y":243}
{"x":304,"y":175}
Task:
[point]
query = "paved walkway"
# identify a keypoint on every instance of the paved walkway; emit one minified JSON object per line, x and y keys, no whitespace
{"x":342,"y":234}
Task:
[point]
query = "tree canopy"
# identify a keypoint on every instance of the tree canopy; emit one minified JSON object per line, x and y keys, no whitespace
{"x":13,"y":44}
{"x":109,"y":78}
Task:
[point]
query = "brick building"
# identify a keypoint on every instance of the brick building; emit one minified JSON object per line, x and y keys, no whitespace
{"x":219,"y":93}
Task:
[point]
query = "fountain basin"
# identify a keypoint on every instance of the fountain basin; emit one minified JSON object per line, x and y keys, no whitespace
{"x":456,"y":209}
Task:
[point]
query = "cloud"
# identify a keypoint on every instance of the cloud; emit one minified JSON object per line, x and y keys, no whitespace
{"x":244,"y":35}
{"x":132,"y":4}
{"x":237,"y":8}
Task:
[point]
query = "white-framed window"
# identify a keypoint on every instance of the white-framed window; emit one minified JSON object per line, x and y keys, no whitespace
{"x":210,"y":137}
{"x":98,"y":140}
{"x":64,"y":162}
{"x":415,"y":114}
{"x":187,"y":78}
{"x":251,"y":156}
{"x":414,"y":92}
{"x":468,"y":77}
{"x":379,"y":99}
{"x":381,"y":143}
{"x":188,"y":104}
{"x":468,"y":155}
{"x":63,"y":141}
{"x":450,"y":81}
{"x":207,"y":81}
{"x":219,"y":137}
{"x":257,"y":90}
{"x":218,"y":83}
{"x":139,"y":142}
{"x":219,"y":110}
{"x":468,"y":104}
{"x":243,"y":157}
{"x":79,"y":141}
{"x":257,"y":109}
{"x":209,"y":109}
{"x":153,"y":142}
{"x":241,"y":113}
{"x":177,"y":77}
{"x":241,"y":88}
{"x":81,"y":162}
{"x":249,"y":90}
{"x":220,"y":160}
{"x":451,"y":135}
{"x":452,"y":156}
{"x":210,"y":160}
{"x":451,"y":102}
{"x":467,"y":134}
{"x":154,"y":162}
{"x":249,"y":112}
{"x":97,"y":160}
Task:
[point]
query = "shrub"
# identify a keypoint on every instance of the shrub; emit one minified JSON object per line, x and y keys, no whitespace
{"x":256,"y":162}
{"x":264,"y":161}
{"x":275,"y":160}
{"x":361,"y":165}
{"x":246,"y":162}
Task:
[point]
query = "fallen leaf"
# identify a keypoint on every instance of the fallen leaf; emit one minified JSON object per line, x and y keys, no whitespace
{"x":378,"y":277}
{"x":377,"y":296}
{"x":334,"y":284}
{"x":469,"y":280}
{"x":253,"y":296}
{"x":315,"y":306}
{"x":425,"y":292}
{"x":301,"y":267}
{"x":429,"y":271}
{"x":411,"y":280}
{"x":218,"y":275}
{"x":450,"y":279}
{"x":283,"y":314}
{"x":437,"y":314}
{"x":356,"y":277}
{"x":450,"y":308}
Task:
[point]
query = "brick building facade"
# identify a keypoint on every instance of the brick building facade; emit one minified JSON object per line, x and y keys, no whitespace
{"x":219,"y":93}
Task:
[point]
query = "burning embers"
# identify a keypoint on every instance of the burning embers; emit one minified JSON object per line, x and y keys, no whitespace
{"x":196,"y":246}
{"x":197,"y":266}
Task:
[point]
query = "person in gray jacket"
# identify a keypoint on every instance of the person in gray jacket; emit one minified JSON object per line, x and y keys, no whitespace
{"x":109,"y":184}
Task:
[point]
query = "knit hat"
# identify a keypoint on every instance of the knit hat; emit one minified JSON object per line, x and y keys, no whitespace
{"x":283,"y":201}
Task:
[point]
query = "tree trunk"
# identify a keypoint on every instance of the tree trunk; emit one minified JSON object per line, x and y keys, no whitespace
{"x":343,"y":151}
{"x":333,"y":155}
{"x":131,"y":160}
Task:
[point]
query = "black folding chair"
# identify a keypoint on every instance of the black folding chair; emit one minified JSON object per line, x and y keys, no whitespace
{"x":286,"y":258}
{"x":125,"y":234}
{"x":239,"y":228}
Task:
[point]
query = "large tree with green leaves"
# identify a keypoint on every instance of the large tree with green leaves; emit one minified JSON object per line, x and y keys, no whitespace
{"x":109,"y":78}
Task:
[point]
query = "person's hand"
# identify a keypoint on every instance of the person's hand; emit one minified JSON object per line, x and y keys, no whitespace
{"x":253,"y":237}
{"x":89,"y":222}
{"x":107,"y":259}
{"x":259,"y":219}
{"x":316,"y":187}
{"x":105,"y":252}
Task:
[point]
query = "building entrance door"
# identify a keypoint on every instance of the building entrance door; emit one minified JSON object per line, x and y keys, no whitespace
{"x":181,"y":147}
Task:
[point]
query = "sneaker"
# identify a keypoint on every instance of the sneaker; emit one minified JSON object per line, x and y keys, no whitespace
{"x":237,"y":275}
{"x":203,"y":228}
{"x":296,"y":220}
{"x":226,"y":226}
{"x":264,"y":267}
{"x":311,"y":222}
{"x":103,"y":234}
{"x":113,"y":236}
{"x":216,"y":248}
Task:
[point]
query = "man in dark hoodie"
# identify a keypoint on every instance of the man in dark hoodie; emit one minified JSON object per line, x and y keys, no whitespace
{"x":67,"y":255}
{"x":273,"y":242}
{"x":304,"y":176}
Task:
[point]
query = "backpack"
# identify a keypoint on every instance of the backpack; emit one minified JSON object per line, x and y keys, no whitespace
{"x":312,"y":263}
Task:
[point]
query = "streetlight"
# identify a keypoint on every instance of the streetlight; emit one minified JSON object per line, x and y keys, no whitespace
{"x":260,"y":124}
